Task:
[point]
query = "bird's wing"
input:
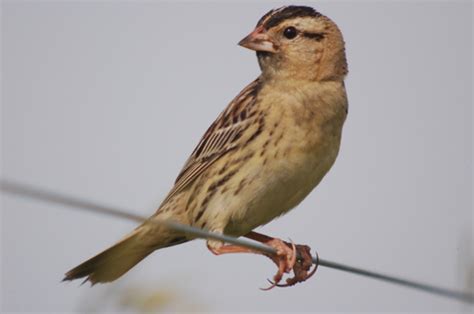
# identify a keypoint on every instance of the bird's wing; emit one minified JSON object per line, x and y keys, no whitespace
{"x":222,"y":137}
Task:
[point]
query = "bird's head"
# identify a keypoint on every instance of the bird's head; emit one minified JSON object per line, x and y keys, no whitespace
{"x":297,"y":42}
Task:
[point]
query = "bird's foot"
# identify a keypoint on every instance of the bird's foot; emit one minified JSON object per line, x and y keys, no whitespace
{"x":300,"y":253}
{"x":285,"y":259}
{"x":289,"y":257}
{"x":301,"y":268}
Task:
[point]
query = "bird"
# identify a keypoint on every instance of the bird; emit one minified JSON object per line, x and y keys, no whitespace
{"x":269,"y":148}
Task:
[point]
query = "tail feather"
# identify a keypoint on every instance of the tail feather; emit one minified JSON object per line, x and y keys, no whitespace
{"x":113,"y":262}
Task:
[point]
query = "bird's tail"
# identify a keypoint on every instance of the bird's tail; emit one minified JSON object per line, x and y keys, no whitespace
{"x":118,"y":259}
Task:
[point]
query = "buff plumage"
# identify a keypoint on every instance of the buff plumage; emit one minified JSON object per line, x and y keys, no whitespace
{"x":265,"y":152}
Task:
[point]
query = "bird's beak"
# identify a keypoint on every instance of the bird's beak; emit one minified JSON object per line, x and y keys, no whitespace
{"x":259,"y":40}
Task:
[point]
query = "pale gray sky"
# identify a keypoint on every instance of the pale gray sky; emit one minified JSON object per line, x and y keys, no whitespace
{"x":105,"y":101}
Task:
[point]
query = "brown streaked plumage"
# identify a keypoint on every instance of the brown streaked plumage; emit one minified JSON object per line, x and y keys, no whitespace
{"x":265,"y":152}
{"x":221,"y":137}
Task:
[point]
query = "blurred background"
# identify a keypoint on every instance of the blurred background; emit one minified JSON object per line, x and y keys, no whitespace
{"x":105,"y":101}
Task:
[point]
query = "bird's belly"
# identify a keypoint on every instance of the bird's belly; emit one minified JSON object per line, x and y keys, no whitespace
{"x":280,"y":184}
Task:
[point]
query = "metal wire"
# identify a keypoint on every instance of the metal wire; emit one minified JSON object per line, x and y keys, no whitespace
{"x":60,"y":199}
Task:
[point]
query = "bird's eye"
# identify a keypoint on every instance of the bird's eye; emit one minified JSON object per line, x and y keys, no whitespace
{"x":290,"y":32}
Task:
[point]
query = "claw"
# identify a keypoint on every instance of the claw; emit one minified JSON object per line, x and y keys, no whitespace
{"x":294,"y":280}
{"x":272,"y":285}
{"x":301,"y":268}
{"x":284,"y":258}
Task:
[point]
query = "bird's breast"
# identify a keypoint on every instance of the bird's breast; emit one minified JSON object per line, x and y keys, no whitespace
{"x":290,"y":160}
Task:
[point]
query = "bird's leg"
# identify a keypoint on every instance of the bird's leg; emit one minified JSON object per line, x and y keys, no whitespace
{"x":301,"y":267}
{"x":229,"y":248}
{"x":285,"y":258}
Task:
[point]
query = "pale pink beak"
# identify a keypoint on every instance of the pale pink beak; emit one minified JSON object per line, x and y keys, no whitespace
{"x":258,"y":40}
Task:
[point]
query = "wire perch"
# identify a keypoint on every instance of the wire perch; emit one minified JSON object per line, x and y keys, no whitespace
{"x":26,"y":191}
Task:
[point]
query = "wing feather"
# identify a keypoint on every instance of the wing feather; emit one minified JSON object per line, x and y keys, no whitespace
{"x":220,"y":138}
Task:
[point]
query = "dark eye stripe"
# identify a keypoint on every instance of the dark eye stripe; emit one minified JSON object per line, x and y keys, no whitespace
{"x":315,"y":36}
